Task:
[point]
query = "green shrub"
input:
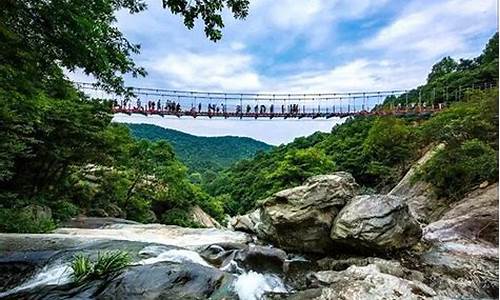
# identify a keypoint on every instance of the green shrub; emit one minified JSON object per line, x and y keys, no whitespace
{"x":453,"y":171}
{"x":107,"y":263}
{"x":18,"y":220}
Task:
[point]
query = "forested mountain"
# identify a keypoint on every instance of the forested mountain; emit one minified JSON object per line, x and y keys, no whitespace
{"x":202,"y":154}
{"x":379,"y":150}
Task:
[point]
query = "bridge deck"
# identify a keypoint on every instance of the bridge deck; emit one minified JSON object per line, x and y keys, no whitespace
{"x":311,"y":115}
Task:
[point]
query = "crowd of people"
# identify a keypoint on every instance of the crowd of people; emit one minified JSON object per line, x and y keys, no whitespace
{"x":214,"y":109}
{"x":175,"y":107}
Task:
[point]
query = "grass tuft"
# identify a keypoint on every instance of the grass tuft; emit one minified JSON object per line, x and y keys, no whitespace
{"x":112,"y":262}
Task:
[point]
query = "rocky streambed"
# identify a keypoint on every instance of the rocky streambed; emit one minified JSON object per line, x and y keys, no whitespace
{"x":169,"y":262}
{"x":321,"y":240}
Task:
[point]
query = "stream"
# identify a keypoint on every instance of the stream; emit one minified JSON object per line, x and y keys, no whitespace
{"x":149,"y":245}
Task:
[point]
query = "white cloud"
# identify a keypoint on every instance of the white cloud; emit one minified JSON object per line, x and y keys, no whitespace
{"x":432,"y":29}
{"x":223,"y":71}
{"x":358,"y":75}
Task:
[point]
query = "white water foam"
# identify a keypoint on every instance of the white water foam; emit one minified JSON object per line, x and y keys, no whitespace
{"x":49,"y":275}
{"x":253,"y":285}
{"x":175,"y":255}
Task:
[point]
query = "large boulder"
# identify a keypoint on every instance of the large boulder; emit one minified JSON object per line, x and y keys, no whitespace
{"x":376,"y":222}
{"x":300,"y":218}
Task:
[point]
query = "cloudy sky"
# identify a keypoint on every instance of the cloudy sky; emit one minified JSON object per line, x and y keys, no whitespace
{"x":304,"y":46}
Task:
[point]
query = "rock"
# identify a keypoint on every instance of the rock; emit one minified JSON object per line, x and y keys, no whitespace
{"x":13,"y":273}
{"x":170,"y":281}
{"x":484,"y":184}
{"x":376,"y":222}
{"x":463,"y":258}
{"x":97,"y":213}
{"x":162,"y":280}
{"x":246,"y":223}
{"x":300,"y":218}
{"x":368,"y":282}
{"x":191,"y":238}
{"x":94,"y":222}
{"x":217,"y":254}
{"x":473,"y":220}
{"x":114,"y":211}
{"x":419,"y":195}
{"x":261,"y":259}
{"x":200,"y":217}
{"x":392,"y":267}
{"x":39,"y":212}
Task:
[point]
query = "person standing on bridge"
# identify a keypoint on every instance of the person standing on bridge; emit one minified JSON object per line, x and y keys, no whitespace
{"x":178,"y":108}
{"x":271,"y":108}
{"x":199,"y":107}
{"x":256,"y":109}
{"x":158,"y":105}
{"x":249,"y":108}
{"x":139,"y":104}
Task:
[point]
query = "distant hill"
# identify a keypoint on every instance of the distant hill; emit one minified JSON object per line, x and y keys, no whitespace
{"x":202,"y":154}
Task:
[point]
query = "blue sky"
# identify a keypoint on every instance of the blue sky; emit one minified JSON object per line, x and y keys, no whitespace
{"x":305,"y":46}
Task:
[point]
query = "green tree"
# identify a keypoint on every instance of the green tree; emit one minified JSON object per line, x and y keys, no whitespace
{"x":300,"y":164}
{"x":442,"y":68}
{"x":83,"y":34}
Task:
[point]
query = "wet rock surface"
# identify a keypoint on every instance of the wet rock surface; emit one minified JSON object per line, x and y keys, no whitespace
{"x":162,"y":280}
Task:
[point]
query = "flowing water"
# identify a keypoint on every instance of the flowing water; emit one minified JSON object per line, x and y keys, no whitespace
{"x":249,"y":285}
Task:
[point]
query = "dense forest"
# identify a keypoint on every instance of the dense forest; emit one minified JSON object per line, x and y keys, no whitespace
{"x":379,"y":150}
{"x":204,"y":156}
{"x":60,"y":155}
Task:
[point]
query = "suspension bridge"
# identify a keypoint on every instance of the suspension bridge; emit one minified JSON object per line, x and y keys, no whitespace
{"x":167,"y":102}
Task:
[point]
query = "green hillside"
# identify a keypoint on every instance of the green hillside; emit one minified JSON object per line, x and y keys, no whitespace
{"x":378,"y":151}
{"x":202,"y":154}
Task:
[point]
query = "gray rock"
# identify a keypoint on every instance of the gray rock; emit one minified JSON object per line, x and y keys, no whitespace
{"x":39,"y":212}
{"x":367,"y":282}
{"x":261,"y":258}
{"x":246,"y":223}
{"x":170,"y":281}
{"x":300,"y":218}
{"x":376,"y":222}
{"x":473,"y":219}
{"x":419,"y":195}
{"x":94,"y":222}
{"x":463,"y":258}
{"x":163,"y":280}
{"x":200,"y":217}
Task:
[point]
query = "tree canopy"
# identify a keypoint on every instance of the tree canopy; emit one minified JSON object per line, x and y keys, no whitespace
{"x":83,"y":33}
